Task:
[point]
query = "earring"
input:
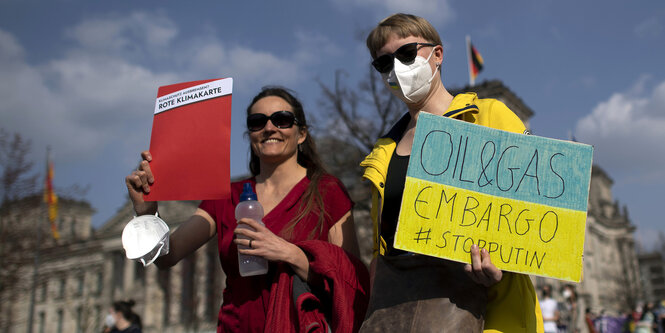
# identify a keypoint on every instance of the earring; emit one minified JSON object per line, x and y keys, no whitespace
{"x":300,"y":148}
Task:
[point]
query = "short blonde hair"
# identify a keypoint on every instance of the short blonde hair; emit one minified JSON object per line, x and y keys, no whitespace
{"x":403,"y":25}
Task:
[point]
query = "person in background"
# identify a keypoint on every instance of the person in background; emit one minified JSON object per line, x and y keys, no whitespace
{"x":647,"y":322}
{"x":420,"y":293}
{"x":550,"y":308}
{"x":660,"y":316}
{"x":589,"y":318}
{"x":636,"y":315}
{"x":121,"y":318}
{"x":568,"y":310}
{"x":309,"y":233}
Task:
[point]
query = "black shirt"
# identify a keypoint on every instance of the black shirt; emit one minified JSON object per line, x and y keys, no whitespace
{"x":131,"y":329}
{"x":392,"y":201}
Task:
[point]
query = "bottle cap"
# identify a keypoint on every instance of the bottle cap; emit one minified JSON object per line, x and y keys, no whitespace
{"x":247,"y":192}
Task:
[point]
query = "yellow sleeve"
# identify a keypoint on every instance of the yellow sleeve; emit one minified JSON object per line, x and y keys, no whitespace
{"x":493,"y":113}
{"x":513,"y":306}
{"x":376,"y":168}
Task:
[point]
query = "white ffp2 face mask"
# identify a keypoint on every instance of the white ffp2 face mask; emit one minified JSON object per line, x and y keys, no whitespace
{"x":145,"y":238}
{"x":109,"y":321}
{"x":411,"y":82}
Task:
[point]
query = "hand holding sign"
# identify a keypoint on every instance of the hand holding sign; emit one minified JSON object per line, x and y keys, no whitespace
{"x":138,"y":183}
{"x":482,"y":270}
{"x":522,"y":198}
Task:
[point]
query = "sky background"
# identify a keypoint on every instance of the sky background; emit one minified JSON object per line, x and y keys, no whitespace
{"x":82,"y":76}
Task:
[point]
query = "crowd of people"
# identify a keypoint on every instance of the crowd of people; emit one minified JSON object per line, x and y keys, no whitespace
{"x":647,"y":318}
{"x":562,"y":313}
{"x":315,"y":281}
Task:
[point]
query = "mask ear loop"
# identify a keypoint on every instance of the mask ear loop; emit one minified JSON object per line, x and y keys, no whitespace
{"x":163,"y":243}
{"x":157,"y":253}
{"x":436,"y":69}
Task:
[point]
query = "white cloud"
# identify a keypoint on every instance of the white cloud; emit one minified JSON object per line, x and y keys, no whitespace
{"x":98,"y":95}
{"x":210,"y":57}
{"x":585,"y":82}
{"x":649,"y":28}
{"x":253,"y":67}
{"x":555,"y":33}
{"x":312,"y":45}
{"x":10,"y":50}
{"x":124,"y":33}
{"x":77,"y":104}
{"x":628,"y":131}
{"x":437,"y":12}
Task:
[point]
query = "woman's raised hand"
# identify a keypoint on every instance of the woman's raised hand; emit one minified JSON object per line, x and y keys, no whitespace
{"x":138,"y":183}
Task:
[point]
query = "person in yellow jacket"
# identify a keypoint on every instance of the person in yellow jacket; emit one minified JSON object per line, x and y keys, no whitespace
{"x":407,"y":52}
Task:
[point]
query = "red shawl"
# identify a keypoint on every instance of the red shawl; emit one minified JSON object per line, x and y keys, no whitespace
{"x":335,"y":276}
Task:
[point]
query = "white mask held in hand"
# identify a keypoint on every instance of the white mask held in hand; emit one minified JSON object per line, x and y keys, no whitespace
{"x":410,"y":82}
{"x":145,"y":238}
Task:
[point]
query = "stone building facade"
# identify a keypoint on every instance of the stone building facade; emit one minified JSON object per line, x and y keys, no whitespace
{"x":82,"y":274}
{"x":611,"y":279}
{"x":652,"y":272}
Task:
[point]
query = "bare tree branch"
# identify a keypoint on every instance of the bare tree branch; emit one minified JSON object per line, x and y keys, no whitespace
{"x":365,"y":112}
{"x":387,"y":107}
{"x":21,"y":213}
{"x":16,"y":181}
{"x":358,"y":117}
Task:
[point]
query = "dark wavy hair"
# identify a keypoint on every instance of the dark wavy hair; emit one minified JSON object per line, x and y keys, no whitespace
{"x":125,"y":307}
{"x":308,"y":157}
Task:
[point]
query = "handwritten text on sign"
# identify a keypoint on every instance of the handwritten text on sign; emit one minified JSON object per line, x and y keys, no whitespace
{"x":521,"y":197}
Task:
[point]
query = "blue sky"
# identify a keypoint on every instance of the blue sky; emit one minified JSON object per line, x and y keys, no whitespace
{"x":82,"y":75}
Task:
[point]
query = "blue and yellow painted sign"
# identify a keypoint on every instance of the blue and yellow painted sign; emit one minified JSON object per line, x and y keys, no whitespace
{"x":521,"y":197}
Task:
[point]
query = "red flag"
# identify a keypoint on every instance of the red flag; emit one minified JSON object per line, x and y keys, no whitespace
{"x":51,"y":198}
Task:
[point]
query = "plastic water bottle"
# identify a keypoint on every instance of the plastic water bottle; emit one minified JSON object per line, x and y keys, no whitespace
{"x":249,"y":207}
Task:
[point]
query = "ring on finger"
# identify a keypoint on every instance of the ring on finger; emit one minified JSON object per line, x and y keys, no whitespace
{"x":250,"y":243}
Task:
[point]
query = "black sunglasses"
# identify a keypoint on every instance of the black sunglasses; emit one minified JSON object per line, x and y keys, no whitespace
{"x":405,"y":53}
{"x":281,"y":119}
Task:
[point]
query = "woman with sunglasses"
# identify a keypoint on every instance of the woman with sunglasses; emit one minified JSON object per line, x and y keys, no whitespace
{"x":410,"y":291}
{"x":307,"y":236}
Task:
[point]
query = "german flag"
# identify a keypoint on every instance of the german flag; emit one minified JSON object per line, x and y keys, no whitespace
{"x":475,"y":62}
{"x":50,"y":197}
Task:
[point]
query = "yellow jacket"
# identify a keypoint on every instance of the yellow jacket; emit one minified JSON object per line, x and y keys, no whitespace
{"x":513,"y":304}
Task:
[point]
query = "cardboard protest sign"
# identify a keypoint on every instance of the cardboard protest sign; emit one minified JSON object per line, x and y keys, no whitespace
{"x":521,"y":197}
{"x":190,"y":141}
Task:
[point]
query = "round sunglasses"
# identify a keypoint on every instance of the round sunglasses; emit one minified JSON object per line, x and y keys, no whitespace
{"x":281,"y":119}
{"x":405,"y":53}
